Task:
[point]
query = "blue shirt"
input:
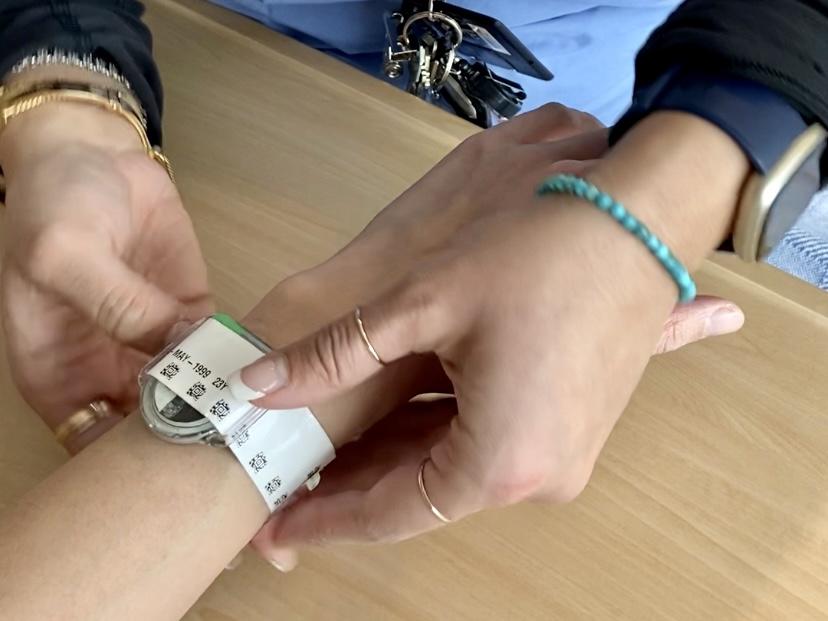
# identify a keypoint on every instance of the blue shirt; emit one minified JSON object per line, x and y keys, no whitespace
{"x":589,"y":45}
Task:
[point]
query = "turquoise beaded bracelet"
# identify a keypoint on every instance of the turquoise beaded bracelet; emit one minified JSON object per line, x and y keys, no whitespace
{"x":570,"y":184}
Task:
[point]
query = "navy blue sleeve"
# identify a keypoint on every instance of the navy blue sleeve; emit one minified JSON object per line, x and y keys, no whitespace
{"x":782,"y":44}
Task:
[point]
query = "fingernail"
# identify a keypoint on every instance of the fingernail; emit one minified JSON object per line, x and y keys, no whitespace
{"x":258,"y":379}
{"x":725,"y":321}
{"x":313,"y":482}
{"x":284,"y":560}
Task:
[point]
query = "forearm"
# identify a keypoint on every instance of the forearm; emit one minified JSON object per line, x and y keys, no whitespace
{"x":136,"y":528}
{"x":133,"y":528}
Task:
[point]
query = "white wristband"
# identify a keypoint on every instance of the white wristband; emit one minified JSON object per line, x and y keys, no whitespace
{"x":279,"y":449}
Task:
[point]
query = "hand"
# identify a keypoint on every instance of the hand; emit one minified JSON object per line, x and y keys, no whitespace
{"x":100,"y":261}
{"x":524,"y":303}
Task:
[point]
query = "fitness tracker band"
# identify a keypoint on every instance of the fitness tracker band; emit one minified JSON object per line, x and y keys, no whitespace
{"x":185,"y":399}
{"x":784,"y":150}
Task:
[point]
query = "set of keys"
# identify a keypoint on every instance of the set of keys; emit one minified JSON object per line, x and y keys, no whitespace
{"x":435,"y":51}
{"x":427,"y":43}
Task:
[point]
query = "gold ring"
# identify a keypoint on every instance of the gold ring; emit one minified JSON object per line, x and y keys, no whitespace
{"x":364,"y":335}
{"x":421,"y":484}
{"x":83,"y":420}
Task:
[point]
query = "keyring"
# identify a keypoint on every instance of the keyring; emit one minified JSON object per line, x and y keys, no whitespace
{"x":432,"y":16}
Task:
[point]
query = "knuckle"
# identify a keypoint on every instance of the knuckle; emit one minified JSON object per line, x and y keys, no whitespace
{"x":572,"y":167}
{"x":369,"y":528}
{"x":475,"y":146}
{"x":587,"y":122}
{"x":676,"y":333}
{"x":567,"y":488}
{"x":514,"y":484}
{"x":567,"y":478}
{"x":554,"y":108}
{"x":329,"y":354}
{"x":422,"y":310}
{"x":556,"y":475}
{"x":576,"y":457}
{"x":118,"y":308}
{"x":565,"y":115}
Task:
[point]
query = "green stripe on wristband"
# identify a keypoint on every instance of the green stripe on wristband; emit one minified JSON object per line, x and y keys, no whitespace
{"x":576,"y":186}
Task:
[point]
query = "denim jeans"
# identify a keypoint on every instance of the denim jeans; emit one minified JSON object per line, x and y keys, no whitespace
{"x":803,"y":252}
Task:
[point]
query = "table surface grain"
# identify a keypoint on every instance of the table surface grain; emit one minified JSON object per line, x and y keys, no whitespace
{"x":710,"y":500}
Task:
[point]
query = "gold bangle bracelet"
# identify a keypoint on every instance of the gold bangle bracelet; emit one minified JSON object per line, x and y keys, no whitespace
{"x":13,"y":104}
{"x":110,"y":91}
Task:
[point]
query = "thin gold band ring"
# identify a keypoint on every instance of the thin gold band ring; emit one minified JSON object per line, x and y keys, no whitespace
{"x":364,"y":335}
{"x":421,"y":484}
{"x":83,"y":420}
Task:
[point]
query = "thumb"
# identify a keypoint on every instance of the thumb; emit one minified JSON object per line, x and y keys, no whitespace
{"x":112,"y":296}
{"x":346,"y":352}
{"x":706,"y":316}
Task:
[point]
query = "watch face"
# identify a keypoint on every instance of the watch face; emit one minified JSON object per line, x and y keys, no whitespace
{"x":172,"y":418}
{"x":791,"y":201}
{"x":181,"y":388}
{"x":173,"y":408}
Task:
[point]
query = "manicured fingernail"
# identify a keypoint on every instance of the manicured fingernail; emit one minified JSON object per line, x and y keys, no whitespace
{"x":258,"y":379}
{"x":725,"y":321}
{"x":284,"y":560}
{"x":279,"y":566}
{"x":313,"y":482}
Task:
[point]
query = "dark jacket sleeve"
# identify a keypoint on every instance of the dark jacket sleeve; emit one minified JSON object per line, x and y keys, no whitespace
{"x":782,"y":44}
{"x":108,"y":29}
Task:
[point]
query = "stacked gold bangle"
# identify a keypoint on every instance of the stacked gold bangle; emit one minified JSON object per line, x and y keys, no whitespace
{"x":115,"y":100}
{"x":22,"y":96}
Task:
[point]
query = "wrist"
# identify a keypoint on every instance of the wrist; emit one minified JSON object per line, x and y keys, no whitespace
{"x":53,"y":127}
{"x":682,"y":177}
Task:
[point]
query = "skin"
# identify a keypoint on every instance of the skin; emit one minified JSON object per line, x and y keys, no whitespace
{"x":543,"y":316}
{"x":108,"y":537}
{"x":100,"y":259}
{"x":121,"y":531}
{"x":113,"y":305}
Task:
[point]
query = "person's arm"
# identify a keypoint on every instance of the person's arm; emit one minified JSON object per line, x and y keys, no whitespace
{"x":136,"y":528}
{"x":110,"y":31}
{"x":88,"y":214}
{"x":544,"y":315}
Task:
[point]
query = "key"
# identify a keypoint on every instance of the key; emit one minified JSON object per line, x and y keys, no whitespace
{"x":397,"y":55}
{"x":420,"y":84}
{"x":439,"y":59}
{"x":438,"y":37}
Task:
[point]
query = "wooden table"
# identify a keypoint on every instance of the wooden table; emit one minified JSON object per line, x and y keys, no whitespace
{"x":710,"y":501}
